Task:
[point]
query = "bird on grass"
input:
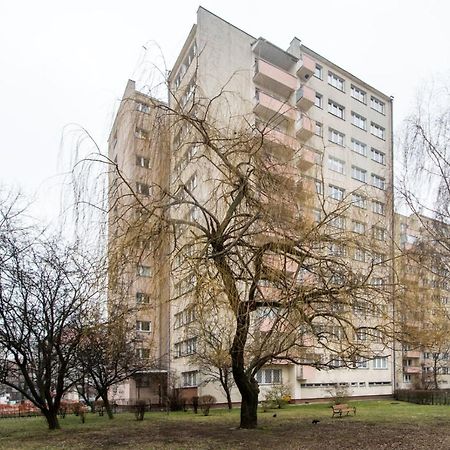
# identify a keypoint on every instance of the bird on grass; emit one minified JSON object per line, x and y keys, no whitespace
{"x":315,"y":422}
{"x":274,"y":415}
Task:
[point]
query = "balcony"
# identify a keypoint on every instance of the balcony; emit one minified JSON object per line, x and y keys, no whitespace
{"x":307,"y":160}
{"x":305,"y":98}
{"x":412,"y":354}
{"x":305,"y":128}
{"x":274,"y":79}
{"x":270,"y":52}
{"x":272,"y":109}
{"x":278,"y":140}
{"x":412,"y":369}
{"x":306,"y":68}
{"x":306,"y":187}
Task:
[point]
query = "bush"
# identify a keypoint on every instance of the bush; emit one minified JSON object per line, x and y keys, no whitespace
{"x":277,"y":397}
{"x":339,"y":393}
{"x":139,"y":409}
{"x":205,"y":402}
{"x":424,"y":396}
{"x":175,"y":400}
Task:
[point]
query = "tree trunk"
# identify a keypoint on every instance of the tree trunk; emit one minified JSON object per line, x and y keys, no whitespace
{"x":228,"y":394}
{"x":435,"y":375}
{"x":107,"y":405}
{"x":52,"y":419}
{"x":249,"y":400}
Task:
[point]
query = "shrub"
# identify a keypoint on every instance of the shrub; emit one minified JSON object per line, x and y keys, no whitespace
{"x":205,"y":402}
{"x":339,"y":393}
{"x":277,"y":397}
{"x":139,"y":409}
{"x":175,"y":400}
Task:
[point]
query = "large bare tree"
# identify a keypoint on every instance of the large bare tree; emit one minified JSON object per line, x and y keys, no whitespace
{"x":240,"y":213}
{"x":47,"y":289}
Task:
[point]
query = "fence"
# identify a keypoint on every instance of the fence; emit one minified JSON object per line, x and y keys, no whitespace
{"x":21,"y":410}
{"x":424,"y":397}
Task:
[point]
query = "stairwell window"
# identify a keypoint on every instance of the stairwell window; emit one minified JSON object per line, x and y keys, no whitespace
{"x":318,"y":72}
{"x":318,"y":100}
{"x":143,"y":189}
{"x":142,"y":298}
{"x":319,"y":129}
{"x":142,"y":162}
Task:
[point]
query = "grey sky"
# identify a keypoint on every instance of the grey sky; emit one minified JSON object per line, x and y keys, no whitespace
{"x":68,"y":62}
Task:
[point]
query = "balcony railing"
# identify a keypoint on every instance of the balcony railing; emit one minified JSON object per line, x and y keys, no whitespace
{"x":274,"y":79}
{"x":305,"y":98}
{"x":270,"y":108}
{"x":305,"y":128}
{"x":306,"y":67}
{"x":413,"y":354}
{"x":306,"y":159}
{"x":412,"y":369}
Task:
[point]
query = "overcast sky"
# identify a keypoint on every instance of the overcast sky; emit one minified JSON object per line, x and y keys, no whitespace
{"x":65,"y":62}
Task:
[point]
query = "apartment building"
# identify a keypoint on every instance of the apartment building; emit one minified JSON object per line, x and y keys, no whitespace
{"x":138,"y":152}
{"x":341,"y":129}
{"x":422,"y":303}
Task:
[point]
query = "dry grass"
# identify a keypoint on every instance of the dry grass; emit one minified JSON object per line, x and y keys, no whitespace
{"x":378,"y":424}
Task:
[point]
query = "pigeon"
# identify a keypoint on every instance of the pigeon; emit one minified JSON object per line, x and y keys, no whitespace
{"x":315,"y":422}
{"x":274,"y":415}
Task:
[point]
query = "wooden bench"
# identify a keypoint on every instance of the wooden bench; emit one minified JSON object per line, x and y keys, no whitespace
{"x":343,"y":410}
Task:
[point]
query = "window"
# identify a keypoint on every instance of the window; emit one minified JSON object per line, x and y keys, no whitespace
{"x":359,"y":174}
{"x":359,"y":255}
{"x":377,"y":105}
{"x":338,"y":222}
{"x":142,"y":298}
{"x":336,"y":81}
{"x":378,"y":207}
{"x":319,"y":129}
{"x":361,"y":335}
{"x":406,"y":378}
{"x":142,"y":162}
{"x":359,"y":227}
{"x":335,"y":109}
{"x":379,"y":233}
{"x":269,"y":376}
{"x":362,"y":363}
{"x":318,"y":72}
{"x":143,"y":353}
{"x":359,"y":121}
{"x":318,"y":100}
{"x":319,"y":187}
{"x":336,"y":192}
{"x":144,"y":326}
{"x":189,"y":378}
{"x":336,"y":137}
{"x":184,"y":317}
{"x":336,"y":165}
{"x":358,"y":94}
{"x":192,"y":182}
{"x":144,"y":271}
{"x":142,"y":188}
{"x":359,"y":147}
{"x":377,"y":258}
{"x":380,"y":363}
{"x":377,"y":130}
{"x":378,"y":182}
{"x":191,"y":346}
{"x":142,"y":107}
{"x":359,"y":201}
{"x":378,"y":156}
{"x":140,"y":133}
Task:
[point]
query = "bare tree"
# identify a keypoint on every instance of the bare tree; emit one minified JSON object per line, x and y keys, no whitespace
{"x":107,"y":355}
{"x":46,"y":291}
{"x":251,"y":222}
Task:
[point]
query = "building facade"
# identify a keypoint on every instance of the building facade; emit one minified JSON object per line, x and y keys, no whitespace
{"x":342,"y":126}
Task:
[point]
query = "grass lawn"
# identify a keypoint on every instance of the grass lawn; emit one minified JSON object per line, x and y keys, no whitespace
{"x":377,"y":424}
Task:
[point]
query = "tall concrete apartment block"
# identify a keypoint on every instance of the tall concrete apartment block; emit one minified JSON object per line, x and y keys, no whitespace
{"x":344,"y":127}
